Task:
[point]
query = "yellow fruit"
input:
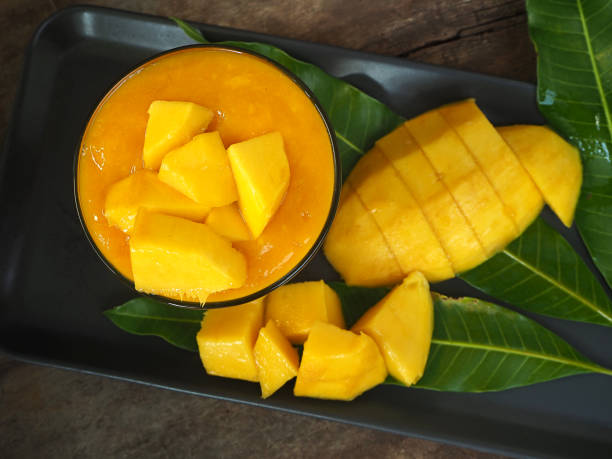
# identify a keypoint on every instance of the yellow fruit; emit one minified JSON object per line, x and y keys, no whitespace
{"x":356,"y":248}
{"x":170,"y":125}
{"x":449,"y":224}
{"x":261,"y":171}
{"x":402,"y":325}
{"x":294,"y":308}
{"x":227,"y":338}
{"x":338,"y":364}
{"x":399,"y":217}
{"x":553,"y":164}
{"x":522,"y":200}
{"x":277,"y":361}
{"x":143,"y":190}
{"x":175,"y":257}
{"x":228,"y":222}
{"x":201,"y":171}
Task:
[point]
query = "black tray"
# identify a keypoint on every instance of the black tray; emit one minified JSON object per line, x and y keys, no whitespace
{"x":54,"y":288}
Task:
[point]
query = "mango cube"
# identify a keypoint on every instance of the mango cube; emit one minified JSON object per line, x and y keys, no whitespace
{"x":227,"y":338}
{"x":295,"y":308}
{"x":201,"y":171}
{"x":172,"y":256}
{"x":261,"y":171}
{"x":170,"y":125}
{"x":338,"y":364}
{"x":143,"y":190}
{"x":228,"y":222}
{"x":276,"y":359}
{"x":402,"y":326}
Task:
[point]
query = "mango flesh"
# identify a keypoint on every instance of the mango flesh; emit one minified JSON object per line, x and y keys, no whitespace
{"x":201,"y":171}
{"x":170,"y":125}
{"x":227,"y":338}
{"x":402,"y":326}
{"x":448,"y":223}
{"x":228,"y":222}
{"x":338,"y":364}
{"x":277,"y":360}
{"x":517,"y":191}
{"x":261,"y":171}
{"x":355,"y":246}
{"x":175,"y":257}
{"x":553,"y":164}
{"x":295,"y":308}
{"x":143,"y":190}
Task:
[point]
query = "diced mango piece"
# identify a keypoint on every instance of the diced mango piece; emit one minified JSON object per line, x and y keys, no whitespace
{"x":402,"y":325}
{"x":261,"y":171}
{"x":399,"y":217}
{"x":515,"y":188}
{"x":294,"y":308}
{"x":553,"y":164}
{"x":172,"y":256}
{"x":356,"y":248}
{"x":170,"y":125}
{"x":463,"y":178}
{"x":449,"y":224}
{"x":276,"y":359}
{"x":338,"y":364}
{"x":228,"y":222}
{"x":143,"y":190}
{"x":201,"y":171}
{"x":227,"y":338}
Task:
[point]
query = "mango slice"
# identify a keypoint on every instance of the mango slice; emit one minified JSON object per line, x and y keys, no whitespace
{"x":449,"y":224}
{"x":227,"y":338}
{"x":517,"y":191}
{"x":399,"y":217}
{"x":553,"y":164}
{"x":402,"y":326}
{"x":356,"y":248}
{"x":295,"y":308}
{"x":143,"y":190}
{"x":172,"y":256}
{"x":201,"y":171}
{"x":170,"y":125}
{"x":467,"y":184}
{"x":228,"y":222}
{"x":338,"y":364}
{"x":261,"y":171}
{"x":276,"y":359}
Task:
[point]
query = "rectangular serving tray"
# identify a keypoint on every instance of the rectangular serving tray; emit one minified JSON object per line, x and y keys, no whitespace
{"x":54,"y":288}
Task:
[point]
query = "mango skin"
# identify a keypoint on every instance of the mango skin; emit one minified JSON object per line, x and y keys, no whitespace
{"x":228,"y":222}
{"x":338,"y":364}
{"x":226,"y":340}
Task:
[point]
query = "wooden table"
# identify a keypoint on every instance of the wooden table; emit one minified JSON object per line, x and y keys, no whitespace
{"x":54,"y":413}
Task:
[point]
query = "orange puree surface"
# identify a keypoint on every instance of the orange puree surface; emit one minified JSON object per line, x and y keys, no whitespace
{"x":250,"y":97}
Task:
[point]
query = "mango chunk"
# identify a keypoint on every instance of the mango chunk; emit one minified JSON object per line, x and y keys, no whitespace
{"x":295,"y":308}
{"x":448,"y":223}
{"x":201,"y":171}
{"x":172,"y":256}
{"x":227,"y":338}
{"x":402,"y":326}
{"x":399,"y":217}
{"x":553,"y":164}
{"x":338,"y":364}
{"x":469,"y":187}
{"x":261,"y":171}
{"x":276,"y":359}
{"x":143,"y":190}
{"x":170,"y":125}
{"x":514,"y":186}
{"x":356,"y":248}
{"x":228,"y":222}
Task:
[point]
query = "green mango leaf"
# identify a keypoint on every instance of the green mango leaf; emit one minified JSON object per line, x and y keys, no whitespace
{"x":541,"y":272}
{"x":573,"y":40}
